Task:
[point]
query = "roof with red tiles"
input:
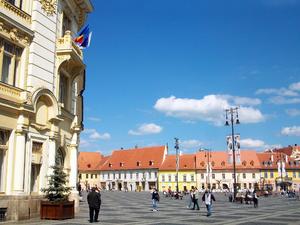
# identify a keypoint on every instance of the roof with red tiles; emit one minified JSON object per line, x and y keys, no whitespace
{"x":138,"y":158}
{"x":186,"y":162}
{"x":89,"y":160}
{"x":219,"y":160}
{"x":269,"y":160}
{"x":287,"y":150}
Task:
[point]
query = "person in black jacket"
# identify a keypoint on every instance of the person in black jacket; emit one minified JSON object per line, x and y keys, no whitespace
{"x":94,"y":201}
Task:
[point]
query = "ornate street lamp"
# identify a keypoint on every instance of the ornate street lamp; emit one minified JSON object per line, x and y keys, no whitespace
{"x":233,"y":115}
{"x":177,"y":163}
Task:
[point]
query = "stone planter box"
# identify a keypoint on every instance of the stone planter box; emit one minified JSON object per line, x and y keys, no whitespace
{"x":57,"y":210}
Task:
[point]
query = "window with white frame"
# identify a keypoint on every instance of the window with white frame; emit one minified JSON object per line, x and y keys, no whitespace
{"x":184,"y":178}
{"x":10,"y":56}
{"x":163,"y":178}
{"x":202,"y":176}
{"x":223,"y":175}
{"x":169,"y":178}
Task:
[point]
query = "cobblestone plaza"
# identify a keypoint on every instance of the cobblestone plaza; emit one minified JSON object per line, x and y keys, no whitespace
{"x":135,"y":208}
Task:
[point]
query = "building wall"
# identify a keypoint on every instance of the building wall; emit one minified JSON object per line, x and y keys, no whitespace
{"x":223,"y":179}
{"x":129,"y":180}
{"x":35,"y":127}
{"x":165,"y":183}
{"x":89,"y":179}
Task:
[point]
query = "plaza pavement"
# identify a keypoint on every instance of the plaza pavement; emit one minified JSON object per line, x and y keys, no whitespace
{"x":135,"y":208}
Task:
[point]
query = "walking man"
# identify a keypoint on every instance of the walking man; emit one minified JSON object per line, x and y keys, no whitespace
{"x":94,"y":201}
{"x":195,"y":198}
{"x":155,"y":199}
{"x":255,"y":199}
{"x":207,"y":199}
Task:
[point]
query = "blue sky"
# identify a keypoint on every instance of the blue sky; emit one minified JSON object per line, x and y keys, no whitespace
{"x":161,"y":69}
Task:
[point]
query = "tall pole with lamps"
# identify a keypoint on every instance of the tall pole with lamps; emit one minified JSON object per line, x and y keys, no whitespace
{"x":177,"y":163}
{"x":208,"y":156}
{"x":233,"y":115}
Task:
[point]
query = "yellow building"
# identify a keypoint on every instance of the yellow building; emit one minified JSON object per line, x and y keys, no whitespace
{"x":41,"y":104}
{"x":167,"y":176}
{"x":279,"y":171}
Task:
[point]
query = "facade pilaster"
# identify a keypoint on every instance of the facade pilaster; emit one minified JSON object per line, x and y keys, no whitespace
{"x":19,"y":162}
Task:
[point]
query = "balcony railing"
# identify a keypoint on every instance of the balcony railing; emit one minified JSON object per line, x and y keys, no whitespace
{"x":15,"y":10}
{"x":65,"y":45}
{"x":12,"y":93}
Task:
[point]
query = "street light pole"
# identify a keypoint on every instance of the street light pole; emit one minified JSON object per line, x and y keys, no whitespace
{"x":208,"y":155}
{"x":177,"y":163}
{"x":234,"y":118}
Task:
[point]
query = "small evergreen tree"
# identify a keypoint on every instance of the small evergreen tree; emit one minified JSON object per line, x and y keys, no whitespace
{"x":57,"y":190}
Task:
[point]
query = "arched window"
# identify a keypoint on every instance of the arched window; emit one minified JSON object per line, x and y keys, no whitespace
{"x":60,"y":157}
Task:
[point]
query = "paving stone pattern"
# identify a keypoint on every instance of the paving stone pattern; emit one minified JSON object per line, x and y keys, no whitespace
{"x":135,"y":208}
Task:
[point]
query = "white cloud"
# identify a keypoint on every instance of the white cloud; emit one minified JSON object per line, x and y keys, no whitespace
{"x":291,"y":131}
{"x":95,"y":135}
{"x":190,"y":144}
{"x":94,"y":119}
{"x":280,"y":92}
{"x":210,"y":108}
{"x":84,"y":143}
{"x":146,"y":128}
{"x":293,"y":112}
{"x":295,"y":86}
{"x":289,"y":95}
{"x":279,"y":100}
{"x":252,"y":143}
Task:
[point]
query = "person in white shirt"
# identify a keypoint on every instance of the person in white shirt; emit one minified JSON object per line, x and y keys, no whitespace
{"x":207,"y":198}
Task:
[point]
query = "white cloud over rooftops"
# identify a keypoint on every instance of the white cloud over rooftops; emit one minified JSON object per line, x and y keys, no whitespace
{"x":190,"y":144}
{"x":146,"y":128}
{"x":210,"y":108}
{"x":251,"y":143}
{"x":291,"y":131}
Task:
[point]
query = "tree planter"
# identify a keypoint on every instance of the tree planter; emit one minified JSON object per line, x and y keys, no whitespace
{"x":57,"y":210}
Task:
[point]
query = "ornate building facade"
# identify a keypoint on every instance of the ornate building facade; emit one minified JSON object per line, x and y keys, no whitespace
{"x":41,"y":103}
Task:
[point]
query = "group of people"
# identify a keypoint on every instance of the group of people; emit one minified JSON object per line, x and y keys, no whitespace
{"x":207,"y":198}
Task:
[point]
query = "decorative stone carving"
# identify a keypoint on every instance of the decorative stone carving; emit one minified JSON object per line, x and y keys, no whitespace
{"x":14,"y":34}
{"x":49,"y":6}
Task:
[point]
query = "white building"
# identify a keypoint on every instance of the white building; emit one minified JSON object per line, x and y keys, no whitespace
{"x":132,"y":169}
{"x":41,"y":85}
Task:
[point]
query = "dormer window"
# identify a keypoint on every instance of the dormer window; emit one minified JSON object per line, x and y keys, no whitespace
{"x":138,"y":163}
{"x":109,"y":165}
{"x":89,"y":165}
{"x":222,"y":163}
{"x":244,"y":163}
{"x":151,"y":163}
{"x":121,"y":164}
{"x":252,"y":163}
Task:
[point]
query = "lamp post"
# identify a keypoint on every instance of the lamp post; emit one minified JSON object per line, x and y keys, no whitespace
{"x":208,"y":156}
{"x":177,"y":162}
{"x":233,"y":119}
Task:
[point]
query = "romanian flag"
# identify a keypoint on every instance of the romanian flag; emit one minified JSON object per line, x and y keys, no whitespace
{"x":84,"y":37}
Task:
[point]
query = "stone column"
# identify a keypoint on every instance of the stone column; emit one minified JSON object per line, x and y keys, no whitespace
{"x":19,"y":162}
{"x":73,"y":148}
{"x":19,"y":155}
